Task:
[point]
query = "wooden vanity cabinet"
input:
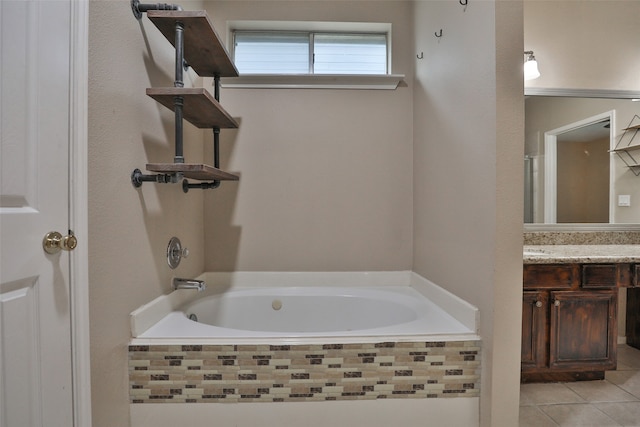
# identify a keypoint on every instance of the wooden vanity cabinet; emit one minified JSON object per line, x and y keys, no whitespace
{"x":569,"y":326}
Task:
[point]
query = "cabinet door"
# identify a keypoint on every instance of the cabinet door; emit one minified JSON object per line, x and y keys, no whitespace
{"x":535,"y":308}
{"x":583,"y":330}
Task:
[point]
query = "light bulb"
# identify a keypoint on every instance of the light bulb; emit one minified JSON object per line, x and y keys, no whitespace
{"x":531,"y":68}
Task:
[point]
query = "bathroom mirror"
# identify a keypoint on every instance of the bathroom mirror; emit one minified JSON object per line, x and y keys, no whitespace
{"x":574,"y":178}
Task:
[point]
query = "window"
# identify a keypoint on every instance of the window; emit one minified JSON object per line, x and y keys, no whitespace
{"x":308,"y":52}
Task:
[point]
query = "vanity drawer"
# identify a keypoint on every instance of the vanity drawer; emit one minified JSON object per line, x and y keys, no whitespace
{"x":551,"y":276}
{"x":599,"y":276}
{"x":636,"y":276}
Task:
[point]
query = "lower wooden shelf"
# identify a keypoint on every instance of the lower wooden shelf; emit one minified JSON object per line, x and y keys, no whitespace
{"x":197,"y":171}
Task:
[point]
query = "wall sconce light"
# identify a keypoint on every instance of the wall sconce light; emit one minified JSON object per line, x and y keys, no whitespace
{"x":530,"y":66}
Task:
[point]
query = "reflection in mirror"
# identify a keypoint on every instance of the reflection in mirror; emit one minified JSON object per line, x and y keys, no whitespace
{"x":573,"y":174}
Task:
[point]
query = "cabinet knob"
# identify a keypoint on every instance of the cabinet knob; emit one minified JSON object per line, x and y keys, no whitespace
{"x":556,"y":303}
{"x":538,"y":304}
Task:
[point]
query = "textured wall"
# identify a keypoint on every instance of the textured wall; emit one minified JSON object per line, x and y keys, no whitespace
{"x":468,"y":147}
{"x":584,"y":44}
{"x":325,"y":175}
{"x":129,"y":228}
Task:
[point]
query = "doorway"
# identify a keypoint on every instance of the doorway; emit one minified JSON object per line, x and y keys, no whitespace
{"x":578,"y":171}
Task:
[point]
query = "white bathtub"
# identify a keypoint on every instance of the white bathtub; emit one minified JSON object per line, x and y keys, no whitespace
{"x":267,"y":306}
{"x":305,"y":312}
{"x":312,"y":349}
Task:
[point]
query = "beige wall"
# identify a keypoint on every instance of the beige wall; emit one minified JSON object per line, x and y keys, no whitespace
{"x":129,"y":228}
{"x":584,"y":44}
{"x":326,"y":175}
{"x":468,"y":119}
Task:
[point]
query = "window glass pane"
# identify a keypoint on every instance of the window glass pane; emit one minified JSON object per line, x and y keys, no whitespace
{"x":271,"y":53}
{"x":350,"y":54}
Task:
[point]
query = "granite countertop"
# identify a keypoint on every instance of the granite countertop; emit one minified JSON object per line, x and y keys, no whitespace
{"x":565,"y":254}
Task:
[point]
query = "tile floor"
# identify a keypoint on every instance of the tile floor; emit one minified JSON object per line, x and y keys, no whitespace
{"x":614,"y":401}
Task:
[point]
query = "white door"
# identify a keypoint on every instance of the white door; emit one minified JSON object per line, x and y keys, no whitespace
{"x":35,"y":306}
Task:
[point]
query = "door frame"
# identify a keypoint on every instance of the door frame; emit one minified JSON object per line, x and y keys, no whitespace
{"x":551,"y":164}
{"x":78,"y":212}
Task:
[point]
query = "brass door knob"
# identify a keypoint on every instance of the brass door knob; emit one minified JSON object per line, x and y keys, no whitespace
{"x":55,"y":242}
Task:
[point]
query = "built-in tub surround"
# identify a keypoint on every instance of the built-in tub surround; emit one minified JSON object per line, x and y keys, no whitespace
{"x":383,"y":362}
{"x":306,"y":372}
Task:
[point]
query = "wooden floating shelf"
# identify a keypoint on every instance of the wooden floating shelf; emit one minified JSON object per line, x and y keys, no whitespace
{"x":200,"y":107}
{"x":203,"y":50}
{"x":193,"y":171}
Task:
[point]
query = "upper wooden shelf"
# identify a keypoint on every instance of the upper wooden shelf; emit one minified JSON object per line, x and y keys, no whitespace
{"x":200,"y":107}
{"x":203,"y":50}
{"x":193,"y":171}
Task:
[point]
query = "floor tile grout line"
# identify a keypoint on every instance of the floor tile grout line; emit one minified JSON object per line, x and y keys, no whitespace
{"x":590,"y":404}
{"x":577,"y":394}
{"x":604,"y":413}
{"x":548,"y":417}
{"x":635,"y":398}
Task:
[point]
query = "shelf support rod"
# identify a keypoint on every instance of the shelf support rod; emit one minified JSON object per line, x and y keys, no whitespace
{"x":179,"y":46}
{"x":178,"y":101}
{"x":216,"y":163}
{"x":216,"y":87}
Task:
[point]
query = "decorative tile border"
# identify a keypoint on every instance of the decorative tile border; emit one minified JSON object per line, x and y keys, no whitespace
{"x":318,"y":372}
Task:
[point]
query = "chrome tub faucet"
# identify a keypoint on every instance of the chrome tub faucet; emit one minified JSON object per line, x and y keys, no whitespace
{"x":179,"y":283}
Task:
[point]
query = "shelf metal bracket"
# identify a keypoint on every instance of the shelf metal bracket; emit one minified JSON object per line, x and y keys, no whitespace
{"x":186,"y":185}
{"x":137,"y":178}
{"x":216,"y":161}
{"x":139,"y":8}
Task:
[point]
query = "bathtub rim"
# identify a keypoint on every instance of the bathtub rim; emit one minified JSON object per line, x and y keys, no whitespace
{"x":149,"y":314}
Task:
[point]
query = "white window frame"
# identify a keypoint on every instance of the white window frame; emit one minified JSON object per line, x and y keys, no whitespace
{"x":314,"y":81}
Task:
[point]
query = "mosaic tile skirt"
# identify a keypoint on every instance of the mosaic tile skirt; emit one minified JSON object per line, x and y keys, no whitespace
{"x":318,"y":372}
